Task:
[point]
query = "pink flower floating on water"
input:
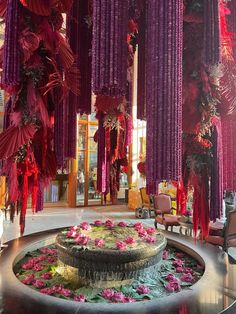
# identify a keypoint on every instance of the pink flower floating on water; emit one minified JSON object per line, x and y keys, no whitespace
{"x":187,"y":277}
{"x":39,"y":284}
{"x":179,"y":255}
{"x":27,"y":266}
{"x":171,"y":277}
{"x":99,"y":242}
{"x":51,"y":259}
{"x":48,"y":291}
{"x":46,"y":250}
{"x":188,"y":270}
{"x":120,"y":245}
{"x":74,"y":228}
{"x":109,"y":223}
{"x":179,"y":269}
{"x":71,"y":234}
{"x":65,"y":292}
{"x":142,"y":233}
{"x":150,"y":230}
{"x":165,"y":255}
{"x":98,"y":223}
{"x":47,"y":276}
{"x":142,"y":289}
{"x":122,"y":224}
{"x":118,"y":297}
{"x":38,"y":267}
{"x":178,"y":263}
{"x":80,"y":298}
{"x":85,"y":226}
{"x":172,"y":286}
{"x":28,"y":280}
{"x":138,"y":226}
{"x":150,"y":239}
{"x":82,"y":240}
{"x":57,"y":288}
{"x":107,"y":294}
{"x":128,"y":300}
{"x":130,"y":240}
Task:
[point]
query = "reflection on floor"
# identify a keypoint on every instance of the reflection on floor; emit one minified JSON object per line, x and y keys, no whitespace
{"x":57,"y":217}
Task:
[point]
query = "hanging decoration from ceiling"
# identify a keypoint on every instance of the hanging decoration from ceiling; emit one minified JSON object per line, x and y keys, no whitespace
{"x":38,"y":65}
{"x":109,"y":83}
{"x":164,"y":91}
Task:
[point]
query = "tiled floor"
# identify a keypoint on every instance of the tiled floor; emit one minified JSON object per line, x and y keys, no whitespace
{"x":51,"y":218}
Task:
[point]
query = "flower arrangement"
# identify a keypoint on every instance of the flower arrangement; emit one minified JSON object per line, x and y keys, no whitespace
{"x":109,"y":235}
{"x":177,"y":271}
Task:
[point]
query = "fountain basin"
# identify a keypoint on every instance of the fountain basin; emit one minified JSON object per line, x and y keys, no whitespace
{"x":108,"y":267}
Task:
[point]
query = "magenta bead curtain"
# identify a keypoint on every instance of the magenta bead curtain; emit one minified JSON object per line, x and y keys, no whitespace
{"x":109,"y":48}
{"x":11,"y":55}
{"x":142,"y":52}
{"x":79,"y":27}
{"x":229,"y":151}
{"x":164,"y":91}
{"x":211,"y":32}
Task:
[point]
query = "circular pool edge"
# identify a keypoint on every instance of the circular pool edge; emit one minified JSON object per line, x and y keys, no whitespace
{"x":27,"y":300}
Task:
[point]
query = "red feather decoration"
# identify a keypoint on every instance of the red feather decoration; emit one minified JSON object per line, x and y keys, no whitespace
{"x":13,"y":138}
{"x":3,"y":7}
{"x":40,"y":7}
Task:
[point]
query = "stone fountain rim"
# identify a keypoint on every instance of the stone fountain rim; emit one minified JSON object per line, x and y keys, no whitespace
{"x":19,"y":247}
{"x":111,"y":255}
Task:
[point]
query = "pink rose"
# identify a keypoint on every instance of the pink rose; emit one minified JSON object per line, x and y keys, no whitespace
{"x":143,"y":289}
{"x":98,"y":223}
{"x":99,"y":242}
{"x":28,"y":280}
{"x":107,"y":294}
{"x":188,"y":270}
{"x":71,"y":234}
{"x":48,"y":291}
{"x":118,"y":297}
{"x":138,"y":226}
{"x":46,"y":276}
{"x":179,"y":269}
{"x":187,"y":277}
{"x":39,"y":284}
{"x":178,"y":263}
{"x":85,"y":226}
{"x":142,"y":233}
{"x":172,"y":286}
{"x":150,"y":239}
{"x":51,"y":259}
{"x":130,"y":240}
{"x":74,"y":228}
{"x":27,"y":266}
{"x":57,"y":288}
{"x":179,"y":254}
{"x":65,"y":292}
{"x":165,"y":255}
{"x":80,"y":298}
{"x":82,"y":240}
{"x":46,"y":250}
{"x":39,"y":258}
{"x":128,"y":300}
{"x":38,"y":267}
{"x":120,"y":245}
{"x":109,"y":223}
{"x":122,"y":224}
{"x":170,"y":277}
{"x":150,"y":230}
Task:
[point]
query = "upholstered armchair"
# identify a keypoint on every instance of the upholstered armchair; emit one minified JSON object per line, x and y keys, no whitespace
{"x":163,"y":210}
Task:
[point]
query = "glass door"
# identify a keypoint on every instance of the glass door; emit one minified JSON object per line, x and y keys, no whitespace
{"x":87,"y":193}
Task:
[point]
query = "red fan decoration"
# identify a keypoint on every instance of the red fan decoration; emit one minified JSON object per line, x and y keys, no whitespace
{"x":3,"y":7}
{"x":40,"y":7}
{"x":13,"y":138}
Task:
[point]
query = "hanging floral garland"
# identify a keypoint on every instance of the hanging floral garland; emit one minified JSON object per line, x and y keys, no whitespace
{"x":37,"y":60}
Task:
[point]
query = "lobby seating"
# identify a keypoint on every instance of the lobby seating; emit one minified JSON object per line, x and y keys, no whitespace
{"x":163,"y":209}
{"x":228,"y":237}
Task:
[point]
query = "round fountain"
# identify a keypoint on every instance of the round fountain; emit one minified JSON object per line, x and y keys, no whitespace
{"x":107,"y":255}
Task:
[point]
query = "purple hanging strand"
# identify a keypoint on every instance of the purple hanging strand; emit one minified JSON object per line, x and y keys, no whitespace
{"x":11,"y":54}
{"x":109,"y":46}
{"x":164,"y":93}
{"x":142,"y":46}
{"x":211,"y":32}
{"x":102,"y":164}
